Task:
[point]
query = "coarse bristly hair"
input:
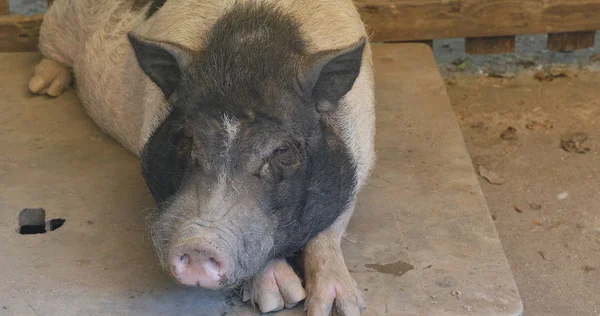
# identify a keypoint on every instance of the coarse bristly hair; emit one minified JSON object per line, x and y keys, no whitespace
{"x":240,"y":100}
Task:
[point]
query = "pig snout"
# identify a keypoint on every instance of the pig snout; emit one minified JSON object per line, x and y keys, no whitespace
{"x":199,"y":263}
{"x":210,"y":246}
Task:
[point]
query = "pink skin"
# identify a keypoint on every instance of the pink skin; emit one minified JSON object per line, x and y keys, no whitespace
{"x":50,"y":78}
{"x":275,"y":287}
{"x":199,"y":264}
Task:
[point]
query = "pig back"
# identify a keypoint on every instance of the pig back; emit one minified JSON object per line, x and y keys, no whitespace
{"x":109,"y":82}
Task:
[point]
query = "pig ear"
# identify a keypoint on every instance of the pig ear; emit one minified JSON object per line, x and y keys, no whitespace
{"x":162,"y":62}
{"x":329,"y":75}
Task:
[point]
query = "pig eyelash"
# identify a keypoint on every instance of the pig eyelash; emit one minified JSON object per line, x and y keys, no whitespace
{"x":289,"y":154}
{"x":285,"y":147}
{"x":281,"y":151}
{"x":184,"y":145}
{"x":288,"y":147}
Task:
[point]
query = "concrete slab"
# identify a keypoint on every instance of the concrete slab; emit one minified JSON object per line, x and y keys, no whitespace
{"x":422,"y":228}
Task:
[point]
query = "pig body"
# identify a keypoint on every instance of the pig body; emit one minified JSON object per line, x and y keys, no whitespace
{"x":188,"y":86}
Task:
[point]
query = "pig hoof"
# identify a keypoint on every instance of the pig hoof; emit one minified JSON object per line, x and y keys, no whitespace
{"x":332,"y":291}
{"x":50,"y":78}
{"x":275,"y":287}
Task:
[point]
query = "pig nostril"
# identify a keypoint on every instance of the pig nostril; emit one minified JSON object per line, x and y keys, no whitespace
{"x":196,"y":264}
{"x":215,"y":262}
{"x":184,"y":260}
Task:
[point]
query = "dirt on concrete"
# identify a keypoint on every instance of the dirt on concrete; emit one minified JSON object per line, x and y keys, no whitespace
{"x":546,"y":211}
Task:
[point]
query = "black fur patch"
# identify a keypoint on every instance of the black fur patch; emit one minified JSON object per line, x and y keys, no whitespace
{"x":329,"y":182}
{"x":163,"y":164}
{"x":159,"y":62}
{"x":155,"y":6}
{"x":248,"y":70}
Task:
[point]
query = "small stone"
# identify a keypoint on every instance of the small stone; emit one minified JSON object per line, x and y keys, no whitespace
{"x":434,"y":297}
{"x":559,"y":71}
{"x":32,"y":221}
{"x":518,"y":209}
{"x":537,"y":126}
{"x":456,"y":293}
{"x":553,"y":71}
{"x":541,"y":76}
{"x":510,"y":133}
{"x":32,"y":217}
{"x":468,"y":308}
{"x":490,"y":176}
{"x":574,"y":143}
{"x":535,"y":206}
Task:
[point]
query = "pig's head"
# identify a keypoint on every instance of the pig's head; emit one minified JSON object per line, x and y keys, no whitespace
{"x":247,"y":166}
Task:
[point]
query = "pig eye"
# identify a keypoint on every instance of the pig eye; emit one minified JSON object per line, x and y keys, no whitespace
{"x":285,"y":155}
{"x":184,"y":146}
{"x":185,"y":143}
{"x":283,"y":162}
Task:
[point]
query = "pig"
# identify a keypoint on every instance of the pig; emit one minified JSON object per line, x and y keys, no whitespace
{"x":254,"y":124}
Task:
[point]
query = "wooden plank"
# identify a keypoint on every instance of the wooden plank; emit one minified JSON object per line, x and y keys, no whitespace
{"x":20,"y":33}
{"x":568,"y":42}
{"x":418,"y":20}
{"x":490,"y":45}
{"x":426,"y":42}
{"x":4,"y":7}
{"x":409,"y":20}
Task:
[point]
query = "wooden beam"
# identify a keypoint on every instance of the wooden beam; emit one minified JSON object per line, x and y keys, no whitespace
{"x":490,"y":45}
{"x":20,"y":33}
{"x":413,"y":20}
{"x":4,"y":7}
{"x":568,"y":42}
{"x":426,"y":42}
{"x":410,"y":20}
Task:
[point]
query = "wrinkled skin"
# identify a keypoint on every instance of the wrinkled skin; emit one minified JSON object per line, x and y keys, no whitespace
{"x":251,"y":166}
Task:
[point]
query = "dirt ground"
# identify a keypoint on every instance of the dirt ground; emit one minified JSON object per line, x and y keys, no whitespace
{"x":546,"y":211}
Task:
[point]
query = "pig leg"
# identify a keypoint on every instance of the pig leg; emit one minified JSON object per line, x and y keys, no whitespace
{"x":275,"y":287}
{"x":329,"y":286}
{"x":50,"y":78}
{"x":58,"y":44}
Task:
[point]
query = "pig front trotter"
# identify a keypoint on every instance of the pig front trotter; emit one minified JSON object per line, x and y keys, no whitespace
{"x":275,"y":287}
{"x":50,"y":78}
{"x":330,"y":288}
